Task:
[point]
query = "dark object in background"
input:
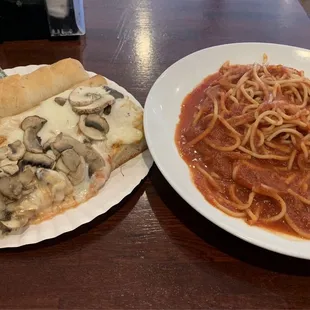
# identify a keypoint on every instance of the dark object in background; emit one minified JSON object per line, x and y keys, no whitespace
{"x":40,"y":19}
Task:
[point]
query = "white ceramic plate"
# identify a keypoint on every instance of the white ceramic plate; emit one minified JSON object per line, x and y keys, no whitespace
{"x":161,"y":115}
{"x":121,"y":183}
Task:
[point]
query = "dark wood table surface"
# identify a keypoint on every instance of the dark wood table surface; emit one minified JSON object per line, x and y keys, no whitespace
{"x":153,"y":251}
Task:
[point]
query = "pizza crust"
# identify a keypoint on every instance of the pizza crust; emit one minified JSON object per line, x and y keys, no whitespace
{"x":19,"y":93}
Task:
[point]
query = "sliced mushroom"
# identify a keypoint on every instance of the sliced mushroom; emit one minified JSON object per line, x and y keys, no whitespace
{"x":95,"y":107}
{"x":77,"y":177}
{"x":11,"y":187}
{"x":17,"y":150}
{"x":7,"y":162}
{"x":62,"y":143}
{"x":90,"y":131}
{"x":35,"y":122}
{"x":32,"y":125}
{"x":4,"y":152}
{"x":116,"y":94}
{"x":60,"y":166}
{"x":47,"y":147}
{"x":97,"y":122}
{"x":92,"y":158}
{"x":31,"y":141}
{"x":84,"y":96}
{"x":81,"y":96}
{"x":60,"y":100}
{"x":51,"y":154}
{"x":10,"y":169}
{"x":107,"y":110}
{"x":71,"y":159}
{"x":95,"y":165}
{"x":59,"y":184}
{"x":27,"y":177}
{"x":40,"y":160}
{"x":48,"y":143}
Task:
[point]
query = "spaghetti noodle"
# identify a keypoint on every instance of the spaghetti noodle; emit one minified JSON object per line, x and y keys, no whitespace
{"x":249,"y":125}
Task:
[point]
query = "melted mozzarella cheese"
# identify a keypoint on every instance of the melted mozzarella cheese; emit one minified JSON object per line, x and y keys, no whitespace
{"x":121,"y":121}
{"x":59,"y":119}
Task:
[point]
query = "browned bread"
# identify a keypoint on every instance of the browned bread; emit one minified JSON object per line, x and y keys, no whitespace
{"x":19,"y":93}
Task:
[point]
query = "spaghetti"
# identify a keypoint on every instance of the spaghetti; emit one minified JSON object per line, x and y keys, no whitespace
{"x":245,"y":133}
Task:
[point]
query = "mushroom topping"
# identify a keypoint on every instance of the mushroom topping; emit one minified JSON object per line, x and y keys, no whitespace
{"x":31,"y":141}
{"x":92,"y":158}
{"x":116,"y":94}
{"x":59,"y":184}
{"x":51,"y":154}
{"x":9,"y":167}
{"x":95,"y":165}
{"x":35,"y":122}
{"x":11,"y":187}
{"x":48,"y":143}
{"x":27,"y":177}
{"x":60,"y":100}
{"x":17,"y":150}
{"x":95,"y":107}
{"x":41,"y":160}
{"x":7,"y":162}
{"x":62,"y":143}
{"x":84,"y":96}
{"x":77,"y":177}
{"x":47,"y":148}
{"x":71,"y":159}
{"x":32,"y":125}
{"x":75,"y":164}
{"x":107,"y":110}
{"x":94,"y":126}
{"x":4,"y":152}
{"x":97,"y":122}
{"x":60,"y":166}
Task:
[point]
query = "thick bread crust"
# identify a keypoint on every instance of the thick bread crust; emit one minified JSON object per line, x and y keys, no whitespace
{"x":127,"y":152}
{"x":23,"y":92}
{"x":95,"y":81}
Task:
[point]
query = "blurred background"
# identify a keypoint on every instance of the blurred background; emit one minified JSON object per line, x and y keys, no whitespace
{"x":41,"y":19}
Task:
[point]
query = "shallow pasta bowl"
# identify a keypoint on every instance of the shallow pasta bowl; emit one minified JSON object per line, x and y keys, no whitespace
{"x":162,"y":111}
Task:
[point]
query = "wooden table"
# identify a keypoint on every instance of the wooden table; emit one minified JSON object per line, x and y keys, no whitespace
{"x":153,"y":251}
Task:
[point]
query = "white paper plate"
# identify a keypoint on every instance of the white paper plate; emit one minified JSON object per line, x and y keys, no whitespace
{"x":161,"y":115}
{"x":121,"y":183}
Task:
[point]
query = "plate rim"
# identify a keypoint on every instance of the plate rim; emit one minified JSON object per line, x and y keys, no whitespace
{"x":227,"y":227}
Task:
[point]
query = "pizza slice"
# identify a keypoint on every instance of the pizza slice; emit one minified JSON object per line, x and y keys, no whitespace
{"x":61,"y":152}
